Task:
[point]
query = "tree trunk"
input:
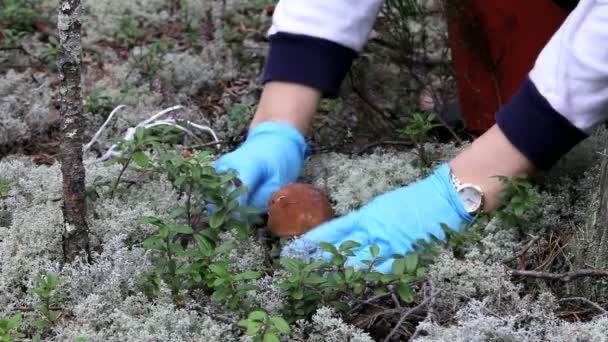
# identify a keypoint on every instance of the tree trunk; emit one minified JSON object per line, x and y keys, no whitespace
{"x":75,"y":233}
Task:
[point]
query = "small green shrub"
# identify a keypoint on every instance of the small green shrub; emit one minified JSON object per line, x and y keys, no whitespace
{"x":128,"y":30}
{"x":48,"y":304}
{"x":9,"y":327}
{"x":5,"y":187}
{"x":264,"y":327}
{"x":416,"y":130}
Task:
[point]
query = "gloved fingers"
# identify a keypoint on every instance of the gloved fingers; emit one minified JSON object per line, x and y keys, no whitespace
{"x":338,"y":230}
{"x":248,"y":175}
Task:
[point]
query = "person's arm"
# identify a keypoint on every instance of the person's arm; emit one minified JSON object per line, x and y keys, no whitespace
{"x":312,"y":46}
{"x":558,"y":105}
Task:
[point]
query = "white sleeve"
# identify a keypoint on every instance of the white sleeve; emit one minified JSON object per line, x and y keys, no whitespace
{"x":345,"y":22}
{"x":571,"y":72}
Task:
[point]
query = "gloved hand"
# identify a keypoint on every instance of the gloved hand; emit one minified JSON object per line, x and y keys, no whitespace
{"x":393,"y":221}
{"x":271,"y":157}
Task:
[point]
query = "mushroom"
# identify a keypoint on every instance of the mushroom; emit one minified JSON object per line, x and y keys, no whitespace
{"x":297,"y":208}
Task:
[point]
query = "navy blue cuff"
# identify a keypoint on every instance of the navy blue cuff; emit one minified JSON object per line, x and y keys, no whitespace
{"x":307,"y":60}
{"x":538,"y":131}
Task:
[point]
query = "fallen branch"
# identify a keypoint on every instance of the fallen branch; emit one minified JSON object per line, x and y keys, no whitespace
{"x":582,"y":299}
{"x":563,"y":277}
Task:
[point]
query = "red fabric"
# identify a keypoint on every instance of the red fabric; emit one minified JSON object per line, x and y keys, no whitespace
{"x":513,"y":32}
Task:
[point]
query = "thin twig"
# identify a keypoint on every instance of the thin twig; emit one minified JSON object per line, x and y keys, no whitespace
{"x":522,"y":251}
{"x":370,"y":300}
{"x":220,"y":142}
{"x":406,"y":314}
{"x":563,"y":277}
{"x":582,"y":299}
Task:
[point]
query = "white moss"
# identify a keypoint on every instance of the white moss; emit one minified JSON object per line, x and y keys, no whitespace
{"x":326,"y":326}
{"x":353,"y":181}
{"x":24,"y":106}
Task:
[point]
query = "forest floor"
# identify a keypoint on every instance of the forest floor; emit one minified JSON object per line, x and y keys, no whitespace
{"x":207,"y":57}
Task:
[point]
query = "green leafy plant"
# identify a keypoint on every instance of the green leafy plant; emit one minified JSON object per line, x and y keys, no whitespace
{"x":11,"y":37}
{"x":265,"y":328}
{"x":517,"y":198}
{"x":9,"y":327}
{"x":128,"y":30}
{"x":19,"y":15}
{"x":50,"y":53}
{"x":132,"y":152}
{"x":417,"y":129}
{"x":195,"y":177}
{"x":165,"y":258}
{"x":49,"y":300}
{"x":95,"y":102}
{"x":5,"y":187}
{"x":149,"y":61}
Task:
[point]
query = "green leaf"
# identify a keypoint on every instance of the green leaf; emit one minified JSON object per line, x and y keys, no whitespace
{"x":139,"y":133}
{"x":349,"y":245}
{"x":257,"y":315}
{"x":290,"y":265}
{"x":298,"y":294}
{"x":14,"y":321}
{"x":219,"y":269}
{"x":40,"y":324}
{"x":183,"y":229}
{"x":373,"y":276}
{"x":179,"y":211}
{"x":399,"y":266}
{"x":329,"y":248}
{"x":220,"y":294}
{"x":236,"y":193}
{"x":314,"y":280}
{"x":406,"y":293}
{"x":271,"y":337}
{"x":247,"y":275}
{"x":374,"y":250}
{"x":281,"y":325}
{"x":411,"y":262}
{"x":253,"y":328}
{"x":246,"y":287}
{"x":54,"y":314}
{"x":151,"y":241}
{"x":224,"y":248}
{"x":79,"y":339}
{"x":217,"y":219}
{"x":313,"y":266}
{"x":140,"y":158}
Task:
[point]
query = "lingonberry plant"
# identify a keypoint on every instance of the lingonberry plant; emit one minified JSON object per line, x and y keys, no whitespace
{"x":48,"y":305}
{"x":5,"y":187}
{"x":417,"y":130}
{"x":9,"y":328}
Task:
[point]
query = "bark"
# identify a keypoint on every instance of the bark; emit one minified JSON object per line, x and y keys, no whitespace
{"x":75,"y":233}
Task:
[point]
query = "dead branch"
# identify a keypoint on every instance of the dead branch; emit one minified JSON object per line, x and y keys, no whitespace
{"x":563,"y":277}
{"x":407,"y":313}
{"x":583,"y":299}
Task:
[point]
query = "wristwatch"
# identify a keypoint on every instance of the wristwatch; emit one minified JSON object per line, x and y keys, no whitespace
{"x":472,"y":196}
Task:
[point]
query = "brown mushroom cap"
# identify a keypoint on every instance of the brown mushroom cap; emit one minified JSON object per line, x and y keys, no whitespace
{"x":297,"y":208}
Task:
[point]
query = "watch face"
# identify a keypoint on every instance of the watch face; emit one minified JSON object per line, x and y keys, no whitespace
{"x":471,"y":198}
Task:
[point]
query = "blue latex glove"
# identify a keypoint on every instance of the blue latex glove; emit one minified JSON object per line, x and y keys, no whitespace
{"x":393,"y":221}
{"x":271,"y":157}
